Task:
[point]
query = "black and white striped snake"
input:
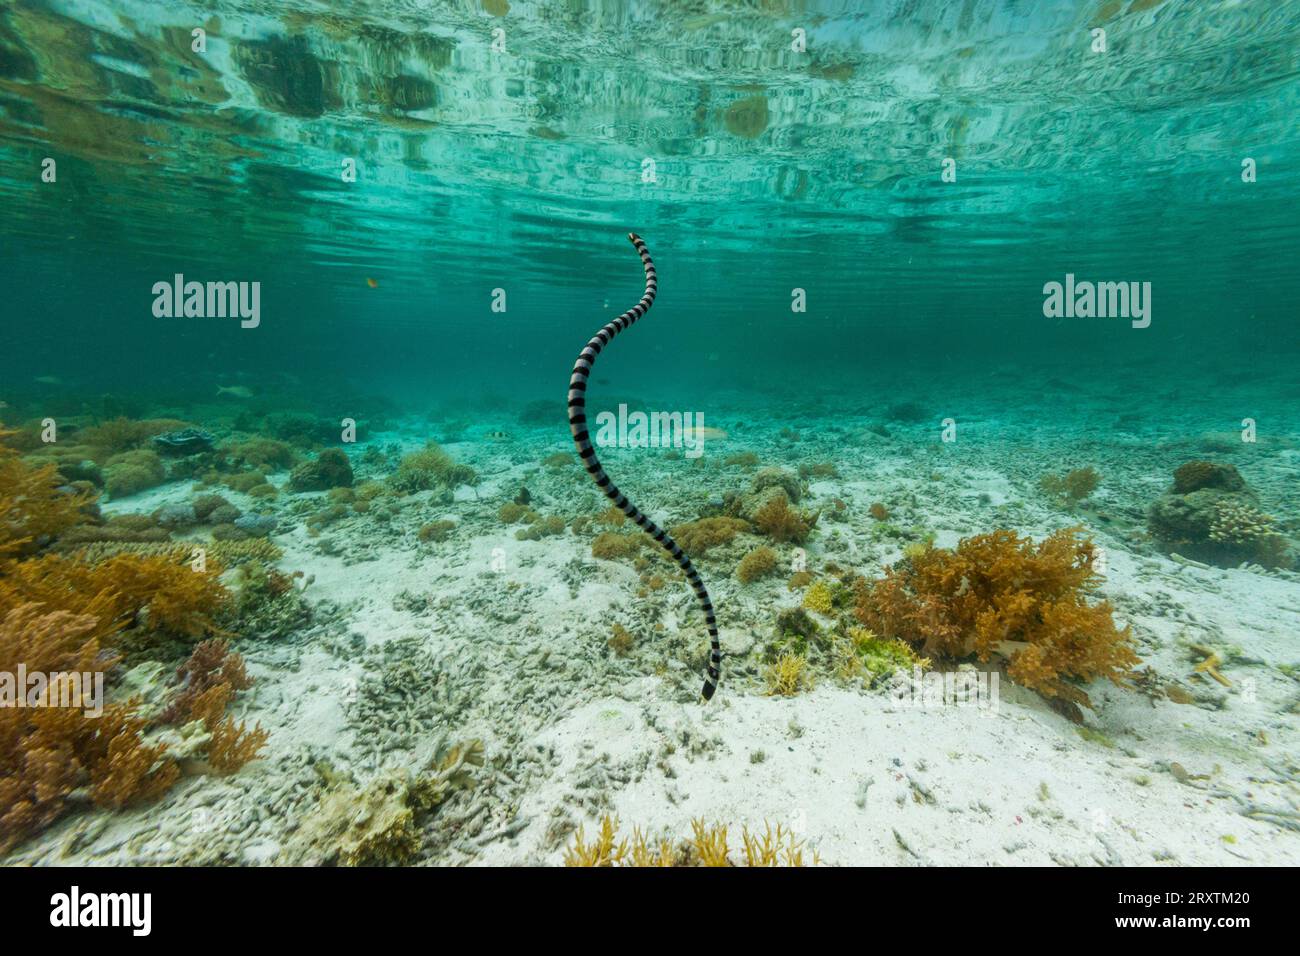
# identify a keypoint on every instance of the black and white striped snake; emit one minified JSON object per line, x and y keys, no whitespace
{"x":578,"y":425}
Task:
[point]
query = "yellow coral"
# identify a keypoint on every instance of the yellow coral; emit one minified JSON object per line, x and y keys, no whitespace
{"x":819,"y":598}
{"x":787,"y":675}
{"x":706,"y":846}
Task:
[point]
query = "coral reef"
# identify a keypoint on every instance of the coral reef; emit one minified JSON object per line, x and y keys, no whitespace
{"x":380,"y":823}
{"x":430,"y":468}
{"x":707,"y":846}
{"x":1211,"y":515}
{"x":1000,"y":594}
{"x":330,"y":469}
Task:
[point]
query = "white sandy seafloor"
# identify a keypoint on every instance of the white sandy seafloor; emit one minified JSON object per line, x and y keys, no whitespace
{"x":485,"y":636}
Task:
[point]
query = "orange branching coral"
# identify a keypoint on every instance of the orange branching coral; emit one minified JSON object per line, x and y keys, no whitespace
{"x":1002,"y":594}
{"x":780,"y":522}
{"x":210,"y":679}
{"x":51,"y":748}
{"x":33,"y":504}
{"x":163,"y":591}
{"x":210,"y":664}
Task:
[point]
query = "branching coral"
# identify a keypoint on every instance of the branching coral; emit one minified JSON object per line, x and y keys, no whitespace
{"x":1002,"y":594}
{"x":50,"y":751}
{"x":787,"y":675}
{"x":1071,"y":487}
{"x":34,"y":507}
{"x":697,"y":537}
{"x":756,"y":564}
{"x":780,"y":522}
{"x":430,"y":467}
{"x":707,"y":846}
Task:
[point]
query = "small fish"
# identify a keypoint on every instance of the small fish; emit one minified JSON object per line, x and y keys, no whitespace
{"x":373,"y":283}
{"x":48,"y":380}
{"x":498,"y":436}
{"x":237,"y":391}
{"x":711,"y":434}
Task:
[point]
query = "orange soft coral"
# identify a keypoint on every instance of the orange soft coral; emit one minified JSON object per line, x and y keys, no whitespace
{"x":50,"y":751}
{"x":1003,"y":594}
{"x":33,"y":504}
{"x":161,"y":590}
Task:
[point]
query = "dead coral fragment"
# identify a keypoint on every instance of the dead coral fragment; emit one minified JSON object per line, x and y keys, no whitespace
{"x":1002,"y":594}
{"x":707,"y":846}
{"x":380,"y":824}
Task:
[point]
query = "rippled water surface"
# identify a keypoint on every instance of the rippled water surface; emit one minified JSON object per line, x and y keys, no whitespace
{"x":510,"y":145}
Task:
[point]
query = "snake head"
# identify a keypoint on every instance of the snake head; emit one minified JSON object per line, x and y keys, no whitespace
{"x":632,"y":237}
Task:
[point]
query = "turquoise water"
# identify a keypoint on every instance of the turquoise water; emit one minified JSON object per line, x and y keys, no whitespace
{"x":522,"y":170}
{"x":857,"y":212}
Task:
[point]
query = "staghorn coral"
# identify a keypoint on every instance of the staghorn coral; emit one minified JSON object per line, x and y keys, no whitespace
{"x":1243,"y":531}
{"x":706,"y":846}
{"x":757,"y":564}
{"x":1002,"y":594}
